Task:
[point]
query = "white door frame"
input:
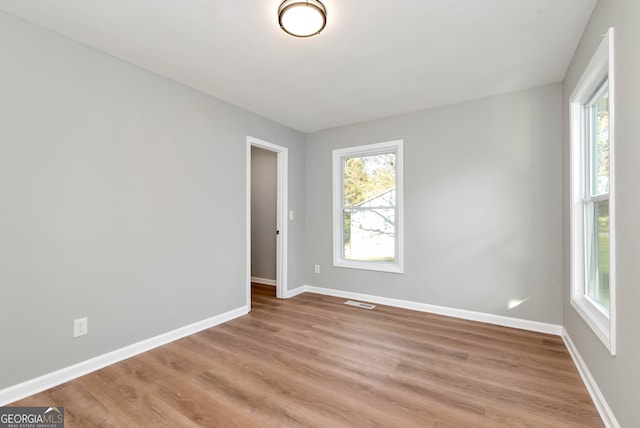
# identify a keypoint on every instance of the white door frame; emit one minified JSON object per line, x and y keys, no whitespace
{"x":281,"y":215}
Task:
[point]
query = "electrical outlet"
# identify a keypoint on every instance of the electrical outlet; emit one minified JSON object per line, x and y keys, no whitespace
{"x":317,"y":269}
{"x":80,"y":327}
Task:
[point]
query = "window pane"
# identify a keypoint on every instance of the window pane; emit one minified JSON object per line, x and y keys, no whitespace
{"x":600,"y":142}
{"x":598,"y":253}
{"x":368,"y":177}
{"x":369,"y":235}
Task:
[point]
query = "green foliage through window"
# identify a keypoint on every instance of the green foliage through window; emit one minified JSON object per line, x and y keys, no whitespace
{"x":367,"y":177}
{"x":369,"y":207}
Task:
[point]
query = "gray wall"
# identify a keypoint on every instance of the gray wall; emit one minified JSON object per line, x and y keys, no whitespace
{"x":264,"y":169}
{"x":122,"y":199}
{"x":618,"y":377}
{"x":483,"y":205}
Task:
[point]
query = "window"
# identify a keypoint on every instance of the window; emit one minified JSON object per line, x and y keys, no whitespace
{"x":596,"y":197}
{"x":367,"y":221}
{"x":592,"y":195}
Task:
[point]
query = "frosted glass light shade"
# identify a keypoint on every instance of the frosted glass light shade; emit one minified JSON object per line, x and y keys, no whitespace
{"x":302,"y":18}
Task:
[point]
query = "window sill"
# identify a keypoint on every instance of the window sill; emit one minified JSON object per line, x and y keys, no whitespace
{"x":599,"y":323}
{"x":375,"y":266}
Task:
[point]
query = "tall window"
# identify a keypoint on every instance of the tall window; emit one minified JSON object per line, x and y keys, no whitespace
{"x":368,"y":207}
{"x":592,"y":185}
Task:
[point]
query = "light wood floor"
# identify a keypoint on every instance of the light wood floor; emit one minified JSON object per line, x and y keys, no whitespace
{"x":312,"y":361}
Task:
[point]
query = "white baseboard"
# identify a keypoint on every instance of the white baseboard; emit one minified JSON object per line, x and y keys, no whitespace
{"x":599,"y":401}
{"x":296,"y":291}
{"x":263,"y":281}
{"x":39,"y":384}
{"x":49,"y":380}
{"x":442,"y":310}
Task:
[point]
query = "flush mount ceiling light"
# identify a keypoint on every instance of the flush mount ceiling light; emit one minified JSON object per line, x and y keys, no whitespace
{"x":302,"y":18}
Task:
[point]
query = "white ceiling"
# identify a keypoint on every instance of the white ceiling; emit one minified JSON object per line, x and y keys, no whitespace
{"x":374,"y":58}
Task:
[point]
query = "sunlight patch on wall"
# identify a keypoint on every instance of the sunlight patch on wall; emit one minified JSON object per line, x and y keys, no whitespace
{"x":516,"y":302}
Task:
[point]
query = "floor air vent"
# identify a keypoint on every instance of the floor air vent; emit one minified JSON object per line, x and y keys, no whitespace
{"x":359,"y":304}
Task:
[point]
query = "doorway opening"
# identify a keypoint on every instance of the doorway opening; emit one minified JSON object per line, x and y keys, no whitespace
{"x":281,"y":205}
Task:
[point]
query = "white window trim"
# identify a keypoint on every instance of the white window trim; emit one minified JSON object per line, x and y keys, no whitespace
{"x":370,"y":149}
{"x":600,"y":67}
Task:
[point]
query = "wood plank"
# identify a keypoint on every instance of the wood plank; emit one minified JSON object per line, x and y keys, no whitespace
{"x":312,"y":361}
